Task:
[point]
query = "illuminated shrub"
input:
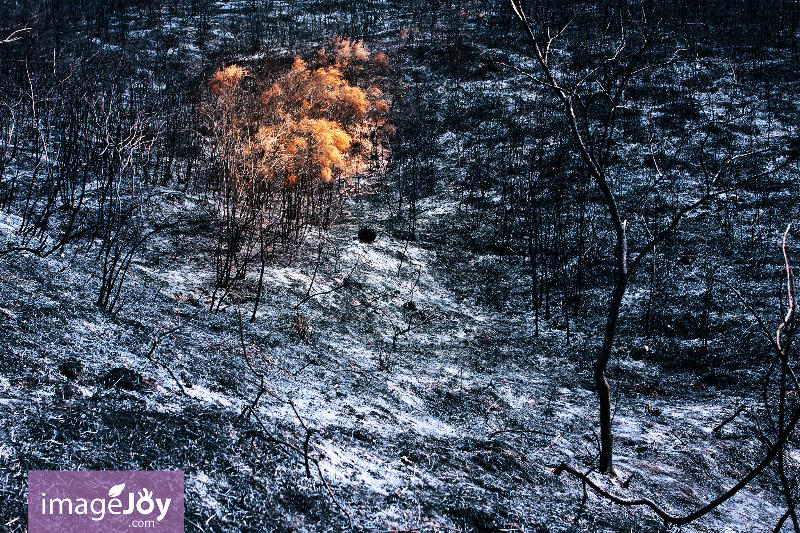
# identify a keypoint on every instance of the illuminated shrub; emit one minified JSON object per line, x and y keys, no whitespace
{"x":283,"y":149}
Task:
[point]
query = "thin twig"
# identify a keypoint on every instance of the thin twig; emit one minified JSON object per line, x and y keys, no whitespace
{"x":322,"y":293}
{"x":682,"y":520}
{"x":269,"y":438}
{"x":534,"y":431}
{"x":151,"y":354}
{"x":583,"y":500}
{"x":265,"y":435}
{"x":729,"y":419}
{"x":16,"y":35}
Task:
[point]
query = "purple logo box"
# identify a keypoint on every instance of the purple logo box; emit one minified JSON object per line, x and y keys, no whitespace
{"x":105,"y":501}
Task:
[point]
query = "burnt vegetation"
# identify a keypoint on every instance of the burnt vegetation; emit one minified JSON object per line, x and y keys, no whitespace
{"x":384,"y":265}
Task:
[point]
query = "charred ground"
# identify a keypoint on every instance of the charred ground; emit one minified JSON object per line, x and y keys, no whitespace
{"x":438,"y":374}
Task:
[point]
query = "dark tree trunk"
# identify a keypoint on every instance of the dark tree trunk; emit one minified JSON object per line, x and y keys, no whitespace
{"x":601,"y":384}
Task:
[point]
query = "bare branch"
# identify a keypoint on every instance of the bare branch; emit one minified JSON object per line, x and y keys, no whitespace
{"x":682,"y":520}
{"x":151,"y":353}
{"x":16,"y":35}
{"x":790,"y":296}
{"x":730,"y":419}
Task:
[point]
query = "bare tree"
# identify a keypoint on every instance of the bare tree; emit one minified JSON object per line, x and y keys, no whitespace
{"x":591,"y":103}
{"x":775,"y":429}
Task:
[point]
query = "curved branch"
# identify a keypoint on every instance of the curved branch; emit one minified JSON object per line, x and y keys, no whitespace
{"x":790,"y":304}
{"x":710,"y":506}
{"x":563,"y":467}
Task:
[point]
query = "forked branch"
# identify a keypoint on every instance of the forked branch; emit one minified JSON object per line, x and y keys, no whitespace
{"x":267,"y":436}
{"x":788,"y":420}
{"x":682,"y":520}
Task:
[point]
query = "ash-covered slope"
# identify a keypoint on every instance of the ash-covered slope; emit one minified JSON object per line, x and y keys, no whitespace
{"x":413,"y":370}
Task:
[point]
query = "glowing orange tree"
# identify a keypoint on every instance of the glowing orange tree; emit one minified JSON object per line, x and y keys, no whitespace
{"x":283,"y":149}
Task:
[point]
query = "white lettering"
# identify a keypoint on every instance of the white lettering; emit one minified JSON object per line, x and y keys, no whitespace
{"x":113,"y":505}
{"x":60,"y":505}
{"x":145,"y":497}
{"x":162,"y":508}
{"x":101,"y":511}
{"x":83,"y":506}
{"x":130,"y":504}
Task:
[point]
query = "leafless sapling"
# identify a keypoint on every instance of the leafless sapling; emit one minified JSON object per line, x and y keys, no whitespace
{"x":591,"y":106}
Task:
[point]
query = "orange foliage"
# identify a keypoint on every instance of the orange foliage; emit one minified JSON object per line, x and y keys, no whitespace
{"x":381,"y":59}
{"x":316,"y":93}
{"x":308,"y":127}
{"x":226,"y":78}
{"x":306,"y":122}
{"x":348,"y":52}
{"x":278,"y":148}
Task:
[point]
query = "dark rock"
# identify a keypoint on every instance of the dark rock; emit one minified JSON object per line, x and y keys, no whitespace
{"x":125,"y":378}
{"x":363,"y":436}
{"x":637,"y":354}
{"x":475,"y":518}
{"x":71,"y":368}
{"x":367,"y":235}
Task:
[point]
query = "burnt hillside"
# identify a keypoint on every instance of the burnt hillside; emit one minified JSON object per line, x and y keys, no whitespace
{"x":352,"y":265}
